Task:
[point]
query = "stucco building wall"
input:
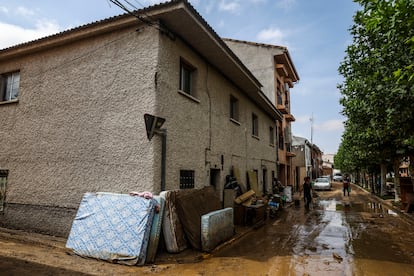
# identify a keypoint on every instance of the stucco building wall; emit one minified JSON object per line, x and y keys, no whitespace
{"x":200,"y":132}
{"x":78,"y":126}
{"x":260,"y":60}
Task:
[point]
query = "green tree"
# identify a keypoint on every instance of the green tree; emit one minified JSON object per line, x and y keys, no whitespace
{"x":377,"y":92}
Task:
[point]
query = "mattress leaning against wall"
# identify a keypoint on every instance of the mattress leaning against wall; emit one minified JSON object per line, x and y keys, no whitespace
{"x":216,"y":227}
{"x":155,"y":231}
{"x":112,"y":227}
{"x":172,"y":229}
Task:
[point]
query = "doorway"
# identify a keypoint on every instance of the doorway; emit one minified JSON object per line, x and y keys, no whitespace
{"x":264,"y":181}
{"x":215,"y":178}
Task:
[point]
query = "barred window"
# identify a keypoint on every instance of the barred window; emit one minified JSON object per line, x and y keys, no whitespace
{"x":3,"y":182}
{"x":187,"y":179}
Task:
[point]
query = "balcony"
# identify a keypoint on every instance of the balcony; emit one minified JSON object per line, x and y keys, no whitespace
{"x":287,"y":105}
{"x":280,"y":105}
{"x":281,"y":70}
{"x":279,"y":98}
{"x":289,"y":152}
{"x":289,"y":117}
{"x":282,"y":109}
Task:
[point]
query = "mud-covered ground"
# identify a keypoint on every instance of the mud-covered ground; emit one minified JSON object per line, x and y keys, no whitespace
{"x":339,"y":235}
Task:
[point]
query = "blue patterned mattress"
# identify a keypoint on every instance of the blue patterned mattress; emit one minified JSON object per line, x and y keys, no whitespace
{"x":112,"y":227}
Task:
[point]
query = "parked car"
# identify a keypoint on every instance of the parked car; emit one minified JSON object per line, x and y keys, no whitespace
{"x":338,"y":177}
{"x":322,"y":183}
{"x":326,"y":176}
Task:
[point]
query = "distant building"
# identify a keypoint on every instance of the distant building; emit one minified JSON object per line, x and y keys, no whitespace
{"x":328,"y":164}
{"x":302,"y":161}
{"x":316,"y":154}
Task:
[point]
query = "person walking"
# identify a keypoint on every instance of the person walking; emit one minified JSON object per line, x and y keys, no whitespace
{"x":307,"y":191}
{"x":346,"y":185}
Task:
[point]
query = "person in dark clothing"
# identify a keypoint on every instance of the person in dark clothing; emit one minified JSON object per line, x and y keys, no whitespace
{"x":307,"y":192}
{"x":345,"y":183}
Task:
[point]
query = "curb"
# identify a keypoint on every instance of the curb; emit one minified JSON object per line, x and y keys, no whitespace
{"x":402,"y":214}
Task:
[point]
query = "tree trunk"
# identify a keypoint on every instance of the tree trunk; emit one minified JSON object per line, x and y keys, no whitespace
{"x":383,"y":178}
{"x":364,"y":180}
{"x":357,"y":180}
{"x":396,"y":165}
{"x":372,"y":180}
{"x":411,"y":168}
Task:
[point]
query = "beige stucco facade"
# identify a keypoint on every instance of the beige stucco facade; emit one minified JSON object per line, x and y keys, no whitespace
{"x":78,"y":124}
{"x":274,"y":68}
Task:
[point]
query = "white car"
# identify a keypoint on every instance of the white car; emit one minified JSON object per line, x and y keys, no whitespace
{"x":338,"y":177}
{"x":322,"y":183}
{"x":326,"y":176}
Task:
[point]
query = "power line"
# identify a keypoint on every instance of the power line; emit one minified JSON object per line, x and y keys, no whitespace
{"x":311,"y":120}
{"x":146,"y":20}
{"x":123,"y":7}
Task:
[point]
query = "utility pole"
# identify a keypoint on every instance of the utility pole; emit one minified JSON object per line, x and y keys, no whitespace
{"x":312,"y":160}
{"x":311,"y":120}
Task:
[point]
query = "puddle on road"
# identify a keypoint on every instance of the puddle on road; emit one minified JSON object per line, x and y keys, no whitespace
{"x":368,"y":207}
{"x":326,"y":239}
{"x":325,"y":242}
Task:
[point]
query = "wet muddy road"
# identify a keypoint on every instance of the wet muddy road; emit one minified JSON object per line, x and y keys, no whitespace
{"x":338,"y":236}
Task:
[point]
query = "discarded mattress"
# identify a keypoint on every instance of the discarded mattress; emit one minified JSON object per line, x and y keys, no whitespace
{"x":216,"y":227}
{"x":172,"y":229}
{"x":112,"y":227}
{"x":191,"y":205}
{"x":155,"y":231}
{"x":287,"y":191}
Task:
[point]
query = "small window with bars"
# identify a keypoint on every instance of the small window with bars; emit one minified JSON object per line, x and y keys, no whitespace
{"x":3,"y":182}
{"x":187,"y":179}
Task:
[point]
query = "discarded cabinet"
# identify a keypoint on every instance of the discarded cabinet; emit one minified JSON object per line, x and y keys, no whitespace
{"x":255,"y":214}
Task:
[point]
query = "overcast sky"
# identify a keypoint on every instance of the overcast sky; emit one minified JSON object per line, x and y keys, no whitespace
{"x":315,"y":32}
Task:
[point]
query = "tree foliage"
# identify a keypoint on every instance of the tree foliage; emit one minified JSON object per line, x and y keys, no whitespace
{"x":377,"y":92}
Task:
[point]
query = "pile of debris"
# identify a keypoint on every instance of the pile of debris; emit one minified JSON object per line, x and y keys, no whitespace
{"x":126,"y":229}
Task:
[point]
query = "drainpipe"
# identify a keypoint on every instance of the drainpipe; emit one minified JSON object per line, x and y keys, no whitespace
{"x":153,"y":126}
{"x":163,"y":134}
{"x":163,"y":158}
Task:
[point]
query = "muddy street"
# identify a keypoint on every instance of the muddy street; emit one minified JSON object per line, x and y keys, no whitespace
{"x":339,"y":235}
